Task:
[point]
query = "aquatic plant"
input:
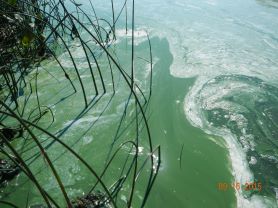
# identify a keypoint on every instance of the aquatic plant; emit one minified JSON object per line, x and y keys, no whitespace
{"x":38,"y":35}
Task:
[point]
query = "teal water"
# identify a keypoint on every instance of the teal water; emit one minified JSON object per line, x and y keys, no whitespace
{"x":230,"y":47}
{"x":213,"y":108}
{"x":192,"y":164}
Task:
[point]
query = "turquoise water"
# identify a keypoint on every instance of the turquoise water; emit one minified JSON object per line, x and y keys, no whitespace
{"x":213,"y":109}
{"x":230,"y":47}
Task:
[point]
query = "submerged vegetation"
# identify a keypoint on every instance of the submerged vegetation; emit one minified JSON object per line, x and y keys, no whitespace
{"x":41,"y":106}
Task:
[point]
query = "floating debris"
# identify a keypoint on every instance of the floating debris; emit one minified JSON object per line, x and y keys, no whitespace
{"x":8,"y":171}
{"x":92,"y":200}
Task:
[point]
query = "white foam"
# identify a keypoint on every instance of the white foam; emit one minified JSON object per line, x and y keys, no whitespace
{"x":239,"y":163}
{"x":87,"y":139}
{"x":140,"y":35}
{"x":199,"y":99}
{"x":206,"y":42}
{"x":253,"y":160}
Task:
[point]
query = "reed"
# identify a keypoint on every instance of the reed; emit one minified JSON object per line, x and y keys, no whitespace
{"x":34,"y":33}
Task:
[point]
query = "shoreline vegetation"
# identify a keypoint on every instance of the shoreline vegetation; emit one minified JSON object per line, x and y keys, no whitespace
{"x":34,"y":33}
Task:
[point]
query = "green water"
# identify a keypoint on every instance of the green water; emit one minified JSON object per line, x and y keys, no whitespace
{"x":191,"y":182}
{"x":213,"y":109}
{"x":192,"y":164}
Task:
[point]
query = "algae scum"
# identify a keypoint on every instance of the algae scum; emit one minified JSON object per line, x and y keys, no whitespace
{"x":230,"y":48}
{"x":74,"y":117}
{"x":192,"y":84}
{"x":247,"y":108}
